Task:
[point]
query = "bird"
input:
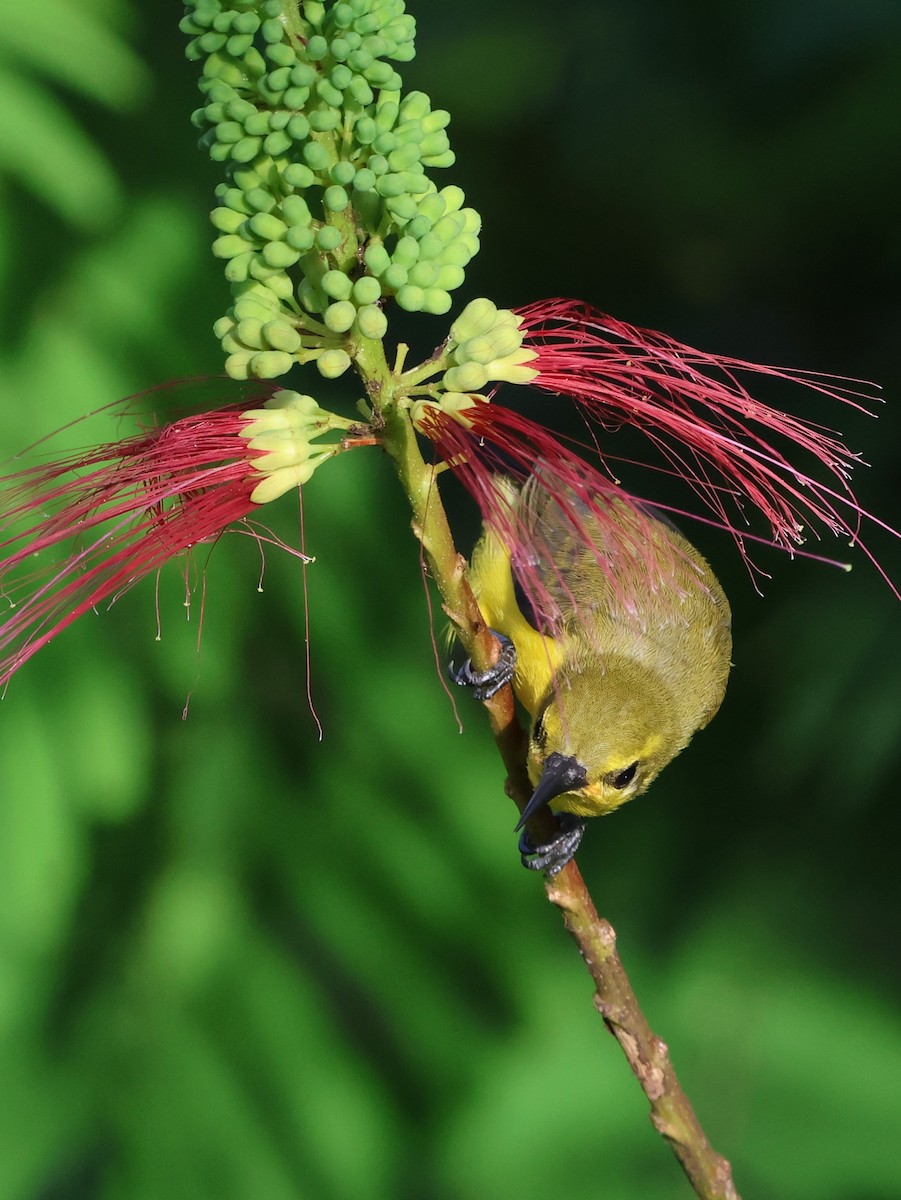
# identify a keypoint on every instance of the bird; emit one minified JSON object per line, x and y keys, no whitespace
{"x":615,"y":636}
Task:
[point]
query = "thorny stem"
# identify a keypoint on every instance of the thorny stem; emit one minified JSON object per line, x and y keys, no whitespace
{"x":671,"y":1113}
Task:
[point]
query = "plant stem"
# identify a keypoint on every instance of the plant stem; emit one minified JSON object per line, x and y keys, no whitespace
{"x":671,"y":1113}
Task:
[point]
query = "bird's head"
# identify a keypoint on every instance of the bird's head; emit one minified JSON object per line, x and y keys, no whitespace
{"x":599,"y":738}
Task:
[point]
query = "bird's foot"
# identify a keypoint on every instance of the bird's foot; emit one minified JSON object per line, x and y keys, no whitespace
{"x":485,"y":684}
{"x":551,"y":857}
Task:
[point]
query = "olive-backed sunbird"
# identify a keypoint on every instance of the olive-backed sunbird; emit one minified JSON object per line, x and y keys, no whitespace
{"x":617,"y":641}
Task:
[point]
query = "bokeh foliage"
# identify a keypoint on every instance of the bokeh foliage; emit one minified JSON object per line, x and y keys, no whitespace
{"x":237,"y":962}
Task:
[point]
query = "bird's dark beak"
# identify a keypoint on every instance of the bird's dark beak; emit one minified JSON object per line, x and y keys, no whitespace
{"x":562,"y":773}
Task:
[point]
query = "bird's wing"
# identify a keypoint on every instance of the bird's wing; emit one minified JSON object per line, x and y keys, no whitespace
{"x":580,"y":558}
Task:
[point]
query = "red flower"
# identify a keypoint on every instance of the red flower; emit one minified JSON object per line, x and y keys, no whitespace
{"x":735,"y":452}
{"x":132,"y":505}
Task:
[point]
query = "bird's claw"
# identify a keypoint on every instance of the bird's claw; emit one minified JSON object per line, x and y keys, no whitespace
{"x":551,"y":857}
{"x":486,"y":684}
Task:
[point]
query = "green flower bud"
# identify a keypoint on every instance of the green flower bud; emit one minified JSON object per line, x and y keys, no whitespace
{"x":227,"y":220}
{"x":298,"y":128}
{"x":411,"y":298}
{"x":259,"y":269}
{"x":236,"y":365}
{"x":296,"y":175}
{"x":391,"y":185}
{"x":449,"y":228}
{"x":365,"y":130}
{"x":359,"y":60}
{"x":341,"y":76}
{"x":376,"y":258}
{"x":316,"y":156}
{"x":434,"y":146}
{"x":267,"y":227}
{"x":254,"y":63}
{"x":470,"y":377}
{"x":477,"y":318}
{"x":433,"y":207}
{"x":332,"y":363}
{"x":281,"y":285}
{"x":229,"y":131}
{"x":394,"y":277}
{"x":250,"y":332}
{"x":416,"y":105}
{"x":360,"y":91}
{"x":403,"y":158}
{"x":279,"y":79}
{"x":245,"y":150}
{"x":335,"y":198}
{"x":246,"y":308}
{"x":238,"y":268}
{"x":246,"y":178}
{"x":419,"y":227}
{"x":433,"y":121}
{"x":447,"y":159}
{"x":328,"y":238}
{"x":336,"y":284}
{"x":246,"y":22}
{"x":423,"y":274}
{"x":327,"y":118}
{"x":457,"y":254}
{"x":280,"y":255}
{"x":259,"y":200}
{"x":340,"y":316}
{"x":277,"y":142}
{"x":211,"y":41}
{"x":238,"y":43}
{"x":406,"y":252}
{"x":386,"y":114}
{"x":436,"y":301}
{"x":364,"y":180}
{"x":312,"y":299}
{"x":402,"y":208}
{"x":302,"y":237}
{"x":343,"y":173}
{"x":302,"y":75}
{"x":241,"y":110}
{"x":366,"y":290}
{"x":229,"y":246}
{"x":384,"y":143}
{"x":478,"y":349}
{"x":372,"y":322}
{"x":282,"y":336}
{"x":269,"y":364}
{"x":295,"y":211}
{"x":450,"y":278}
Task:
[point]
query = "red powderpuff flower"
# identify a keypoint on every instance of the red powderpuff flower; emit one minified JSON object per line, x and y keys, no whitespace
{"x":132,"y":505}
{"x":735,"y":452}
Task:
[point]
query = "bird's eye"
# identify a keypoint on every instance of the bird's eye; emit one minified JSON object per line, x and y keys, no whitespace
{"x":621,"y":779}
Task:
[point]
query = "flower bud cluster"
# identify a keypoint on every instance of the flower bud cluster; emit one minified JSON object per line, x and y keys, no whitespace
{"x":328,"y":210}
{"x":281,"y":436}
{"x":485,"y":346}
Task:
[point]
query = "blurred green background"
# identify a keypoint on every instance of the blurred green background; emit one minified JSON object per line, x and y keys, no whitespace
{"x":236,"y":962}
